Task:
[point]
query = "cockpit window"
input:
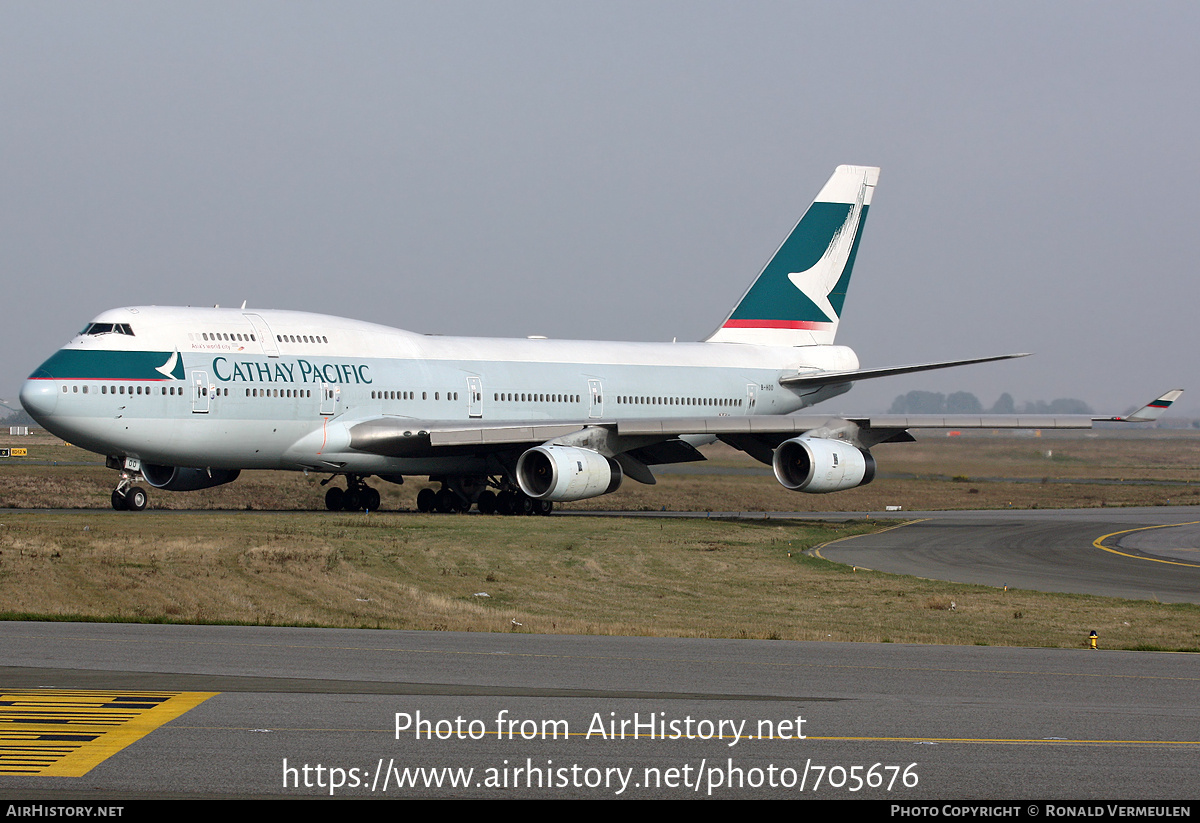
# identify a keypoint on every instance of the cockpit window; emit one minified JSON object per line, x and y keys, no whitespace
{"x":108,"y":328}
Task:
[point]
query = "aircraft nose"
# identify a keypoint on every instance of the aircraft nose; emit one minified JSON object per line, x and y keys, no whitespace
{"x":39,"y":397}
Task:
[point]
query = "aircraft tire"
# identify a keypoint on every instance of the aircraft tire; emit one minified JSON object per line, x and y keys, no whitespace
{"x":118,"y":501}
{"x":333,"y":499}
{"x":136,"y":499}
{"x":486,"y":502}
{"x":370,"y":499}
{"x":426,"y":500}
{"x":505,"y":503}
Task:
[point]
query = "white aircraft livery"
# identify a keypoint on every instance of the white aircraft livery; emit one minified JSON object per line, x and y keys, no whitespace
{"x":185,"y":398}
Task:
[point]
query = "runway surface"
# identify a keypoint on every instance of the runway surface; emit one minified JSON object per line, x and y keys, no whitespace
{"x":918,"y":721}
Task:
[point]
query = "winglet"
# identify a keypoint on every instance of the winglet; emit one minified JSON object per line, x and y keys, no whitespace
{"x":1151,"y":411}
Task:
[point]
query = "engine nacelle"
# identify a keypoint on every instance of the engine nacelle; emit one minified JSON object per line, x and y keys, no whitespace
{"x":562,"y":473}
{"x":176,"y":479}
{"x":817,"y":465}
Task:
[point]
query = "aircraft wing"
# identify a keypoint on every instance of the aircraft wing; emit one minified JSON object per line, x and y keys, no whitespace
{"x":404,"y":437}
{"x":400,"y":437}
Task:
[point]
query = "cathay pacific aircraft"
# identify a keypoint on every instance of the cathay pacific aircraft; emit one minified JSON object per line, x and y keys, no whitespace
{"x":186,"y":398}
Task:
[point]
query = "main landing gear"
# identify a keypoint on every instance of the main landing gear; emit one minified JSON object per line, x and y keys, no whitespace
{"x":515,"y":501}
{"x":444,"y":500}
{"x":357,"y":496}
{"x":128,"y":497}
{"x":458,"y":494}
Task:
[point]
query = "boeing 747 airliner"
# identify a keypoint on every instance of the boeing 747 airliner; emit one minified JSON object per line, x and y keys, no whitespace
{"x":186,"y":398}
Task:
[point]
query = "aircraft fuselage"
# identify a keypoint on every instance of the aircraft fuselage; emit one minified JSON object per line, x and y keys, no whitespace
{"x":236,"y":389}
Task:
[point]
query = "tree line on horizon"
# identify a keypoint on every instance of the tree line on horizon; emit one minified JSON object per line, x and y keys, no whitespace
{"x":927,"y":402}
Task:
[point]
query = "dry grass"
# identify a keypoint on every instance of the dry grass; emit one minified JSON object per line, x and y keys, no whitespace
{"x":572,"y":575}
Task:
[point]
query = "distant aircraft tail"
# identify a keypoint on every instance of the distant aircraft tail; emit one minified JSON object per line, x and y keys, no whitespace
{"x":797,"y":299}
{"x":1149,"y":412}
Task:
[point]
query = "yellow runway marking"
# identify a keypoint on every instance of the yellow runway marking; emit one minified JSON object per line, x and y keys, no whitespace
{"x":1099,"y":544}
{"x":68,"y":732}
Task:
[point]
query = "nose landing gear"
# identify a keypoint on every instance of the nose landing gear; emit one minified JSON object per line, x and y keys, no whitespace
{"x":128,"y":497}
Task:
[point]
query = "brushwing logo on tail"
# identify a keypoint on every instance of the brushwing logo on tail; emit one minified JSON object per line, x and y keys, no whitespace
{"x":819,"y":281}
{"x":797,"y":299}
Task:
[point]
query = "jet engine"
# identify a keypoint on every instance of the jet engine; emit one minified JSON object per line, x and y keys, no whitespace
{"x":562,"y":473}
{"x":817,"y":465}
{"x":176,"y":479}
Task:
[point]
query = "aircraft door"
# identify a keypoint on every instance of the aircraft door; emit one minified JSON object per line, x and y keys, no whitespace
{"x":751,"y":397}
{"x":596,"y":392}
{"x":474,"y":397}
{"x":329,"y":398}
{"x":200,"y":392}
{"x":264,"y":334}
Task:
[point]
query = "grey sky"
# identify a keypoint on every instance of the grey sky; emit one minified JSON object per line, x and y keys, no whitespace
{"x":616,"y":171}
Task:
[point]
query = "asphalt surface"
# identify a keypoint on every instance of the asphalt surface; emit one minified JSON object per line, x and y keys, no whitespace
{"x":950,"y":722}
{"x":1137,"y":553}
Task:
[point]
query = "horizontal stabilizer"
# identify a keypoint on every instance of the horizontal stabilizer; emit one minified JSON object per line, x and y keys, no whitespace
{"x":827,"y":378}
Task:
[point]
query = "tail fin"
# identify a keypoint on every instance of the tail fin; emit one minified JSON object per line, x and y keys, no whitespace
{"x":797,"y":299}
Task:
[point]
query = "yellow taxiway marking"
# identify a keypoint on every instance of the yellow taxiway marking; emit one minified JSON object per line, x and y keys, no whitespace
{"x":68,"y":732}
{"x":1099,"y":544}
{"x":816,"y":551}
